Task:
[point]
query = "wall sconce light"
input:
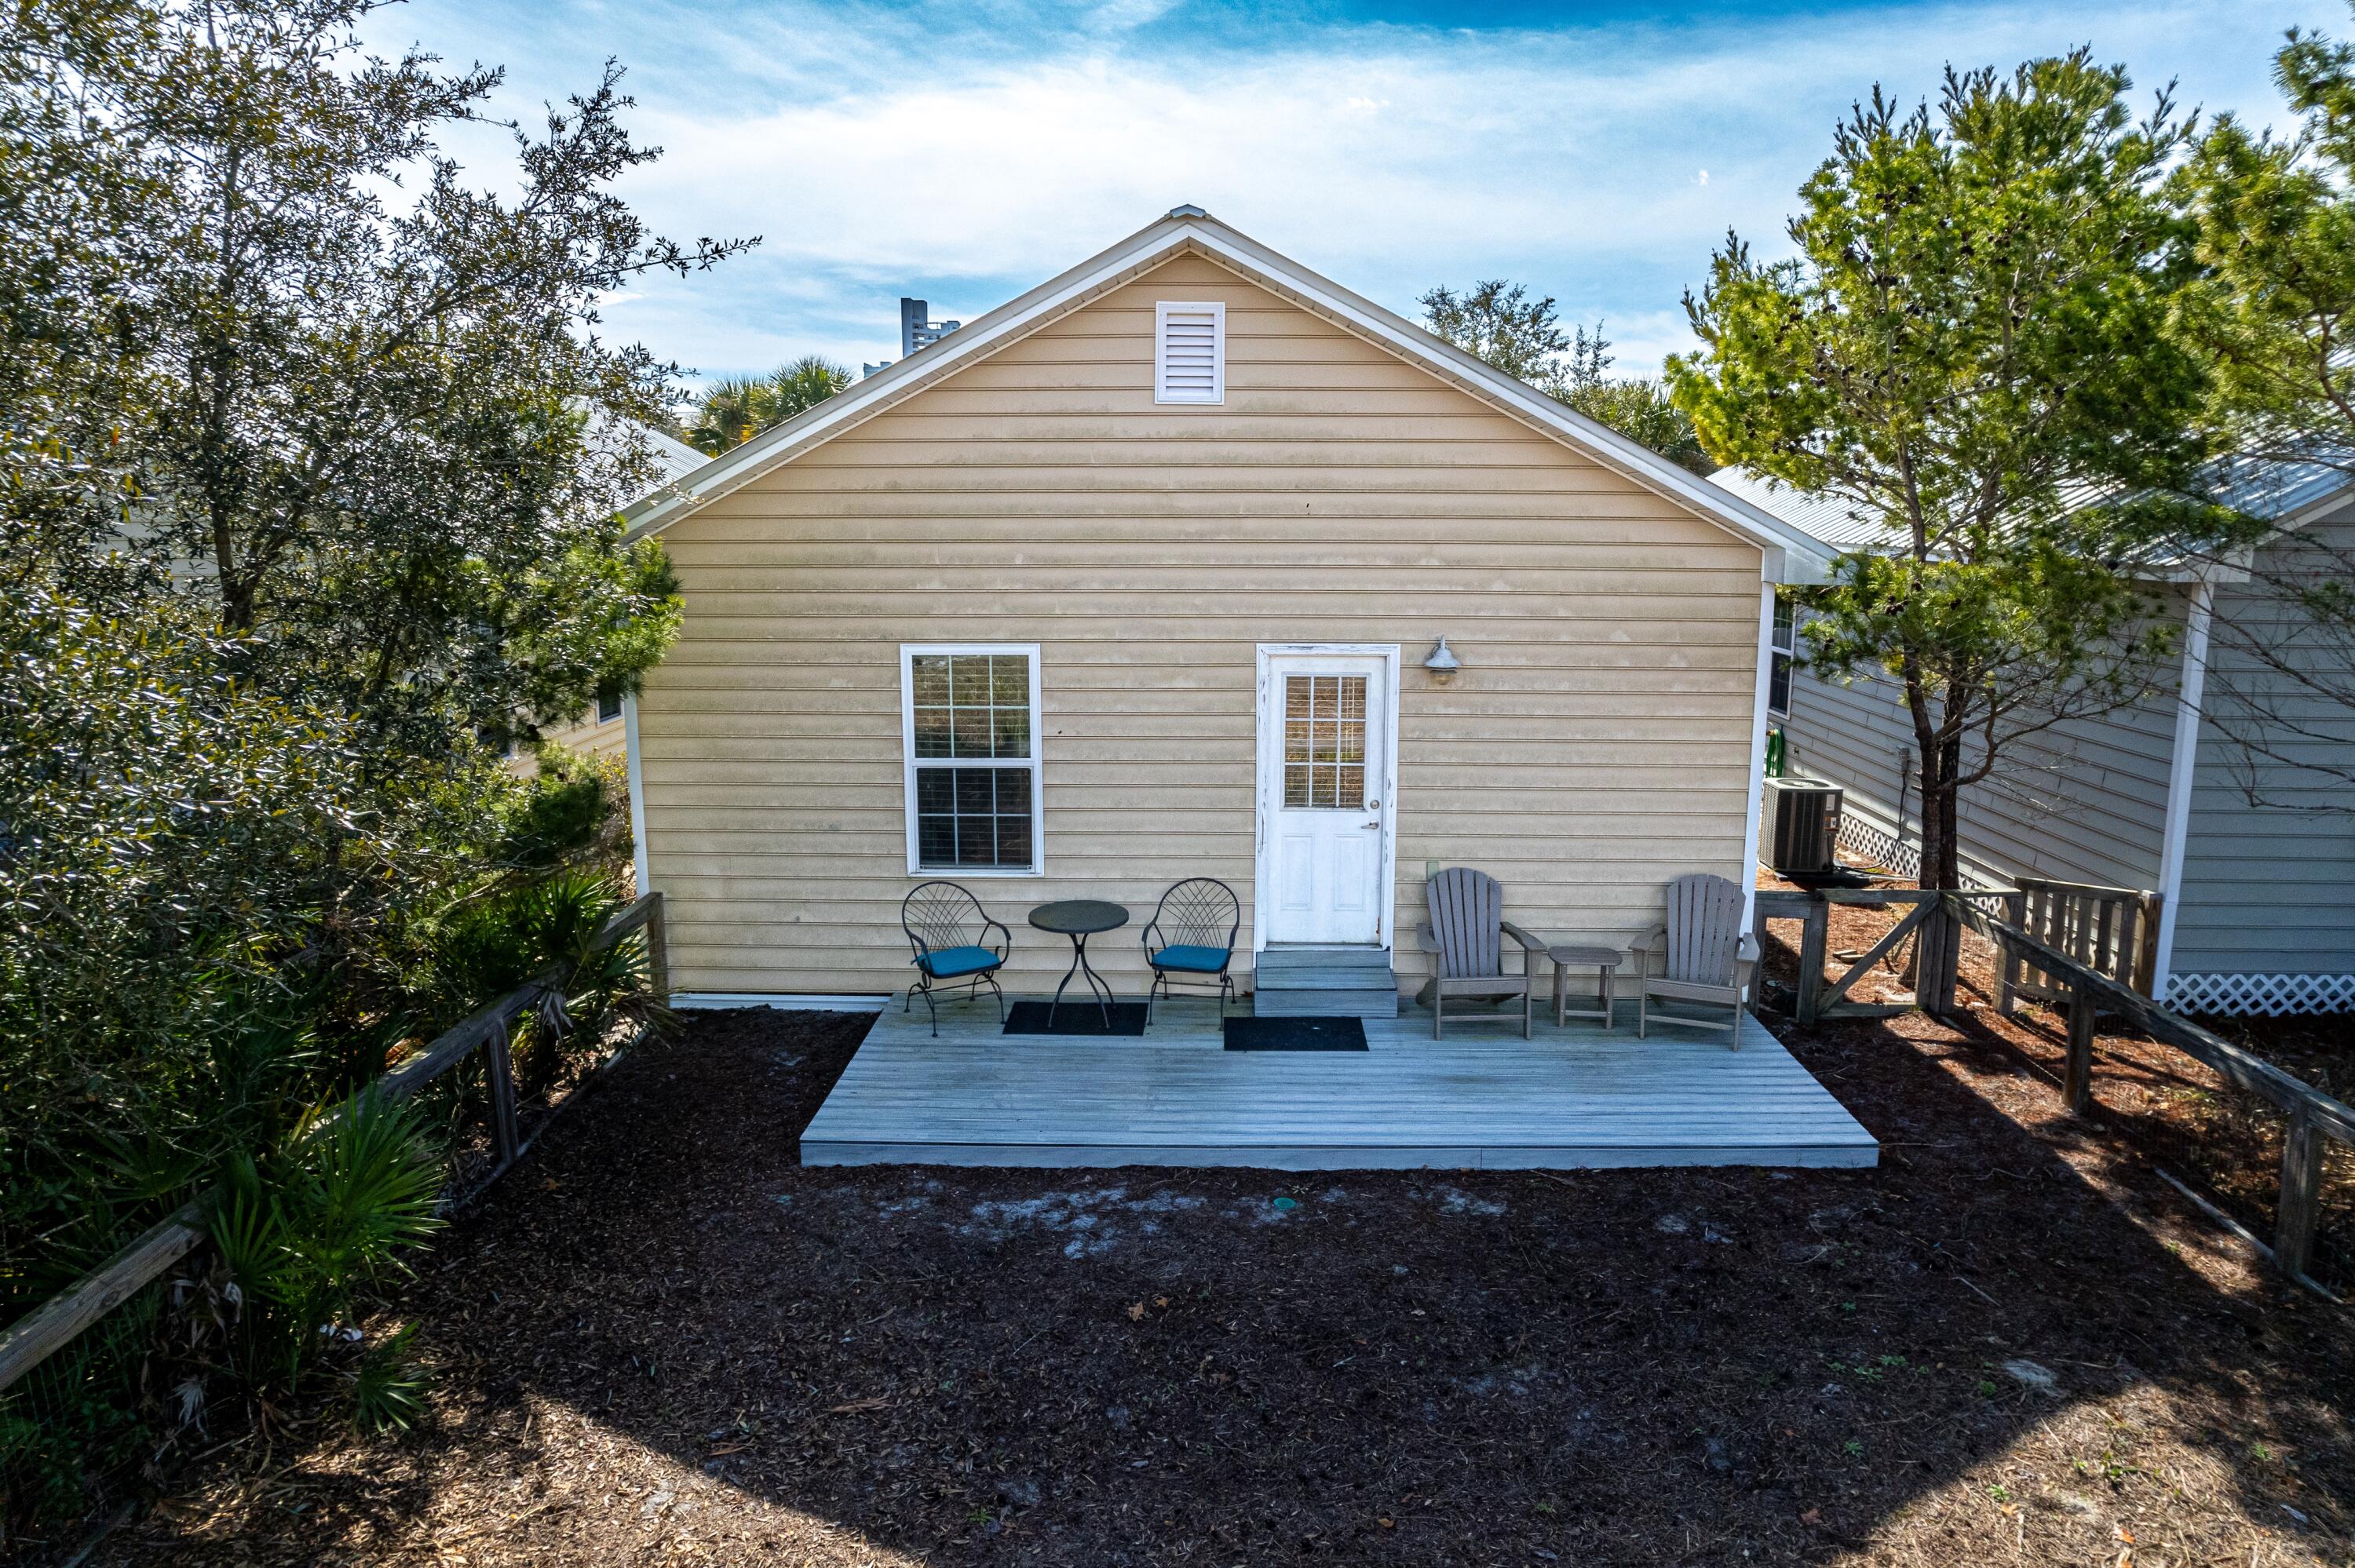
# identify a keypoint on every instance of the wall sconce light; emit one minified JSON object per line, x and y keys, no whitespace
{"x":1442,"y":664}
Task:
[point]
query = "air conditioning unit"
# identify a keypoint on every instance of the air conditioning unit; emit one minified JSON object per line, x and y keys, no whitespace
{"x":1803,"y":821}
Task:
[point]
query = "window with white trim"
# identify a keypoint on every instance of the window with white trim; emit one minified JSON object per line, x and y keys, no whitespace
{"x":1189,"y":352}
{"x":609,"y":704}
{"x":969,"y":720}
{"x":1783,"y":645}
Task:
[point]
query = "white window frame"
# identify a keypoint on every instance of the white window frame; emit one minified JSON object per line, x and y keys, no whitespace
{"x":1782,"y":643}
{"x":1217,"y":310}
{"x":909,"y":763}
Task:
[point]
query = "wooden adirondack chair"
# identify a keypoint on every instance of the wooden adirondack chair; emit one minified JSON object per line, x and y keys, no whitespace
{"x":1466,"y":935}
{"x":1707,"y":956}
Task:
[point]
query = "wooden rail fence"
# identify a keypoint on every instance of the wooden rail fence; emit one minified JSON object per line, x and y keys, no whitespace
{"x":2312,"y":1116}
{"x":1924,"y":912}
{"x":51,"y":1325}
{"x":2089,"y":947}
{"x":2114,"y":930}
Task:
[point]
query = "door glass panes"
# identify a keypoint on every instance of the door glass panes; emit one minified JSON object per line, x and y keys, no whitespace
{"x":1324,"y":742}
{"x":970,"y":708}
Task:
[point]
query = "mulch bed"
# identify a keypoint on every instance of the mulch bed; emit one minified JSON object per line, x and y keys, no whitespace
{"x":2184,"y":1116}
{"x":661,"y":1339}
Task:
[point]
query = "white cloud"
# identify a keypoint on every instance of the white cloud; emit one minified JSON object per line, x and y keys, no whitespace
{"x":878,"y":153}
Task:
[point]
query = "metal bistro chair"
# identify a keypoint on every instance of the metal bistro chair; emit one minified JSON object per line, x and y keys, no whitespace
{"x":1708,"y":957}
{"x":949,"y":931}
{"x":1192,"y":933}
{"x":1465,"y":937}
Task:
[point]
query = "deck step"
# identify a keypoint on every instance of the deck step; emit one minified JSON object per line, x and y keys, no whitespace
{"x":1361,"y":1003}
{"x":1322,"y":978}
{"x":1324,"y":983}
{"x":1322,"y":959}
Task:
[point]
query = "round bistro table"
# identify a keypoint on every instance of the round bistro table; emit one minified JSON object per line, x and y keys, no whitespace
{"x":1080,"y":919}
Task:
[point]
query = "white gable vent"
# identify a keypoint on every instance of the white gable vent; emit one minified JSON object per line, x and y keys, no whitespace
{"x":1189,"y":353}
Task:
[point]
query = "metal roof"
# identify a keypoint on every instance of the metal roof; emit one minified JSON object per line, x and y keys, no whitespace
{"x":2277,"y":490}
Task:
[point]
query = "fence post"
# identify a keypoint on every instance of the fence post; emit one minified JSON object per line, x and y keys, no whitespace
{"x":2008,"y":962}
{"x":2077,"y":1081}
{"x":503,"y":1134}
{"x":2301,"y":1192}
{"x":1937,"y":954}
{"x":659,"y":951}
{"x":2145,"y":961}
{"x":1812,"y":937}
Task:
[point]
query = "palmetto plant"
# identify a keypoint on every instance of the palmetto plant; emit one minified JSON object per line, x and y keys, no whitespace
{"x":805,"y":384}
{"x":734,"y":409}
{"x":302,"y":1230}
{"x":543,"y":929}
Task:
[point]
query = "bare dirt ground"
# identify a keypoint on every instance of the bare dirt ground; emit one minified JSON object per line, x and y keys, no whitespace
{"x":664,"y":1340}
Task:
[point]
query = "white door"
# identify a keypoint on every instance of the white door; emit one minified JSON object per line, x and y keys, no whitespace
{"x":1324,"y":814}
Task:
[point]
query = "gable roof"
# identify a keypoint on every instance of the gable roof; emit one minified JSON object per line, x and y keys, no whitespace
{"x":1791,"y":554}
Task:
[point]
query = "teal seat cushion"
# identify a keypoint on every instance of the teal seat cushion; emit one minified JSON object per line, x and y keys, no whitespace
{"x":950,"y":962}
{"x":1183,"y":956}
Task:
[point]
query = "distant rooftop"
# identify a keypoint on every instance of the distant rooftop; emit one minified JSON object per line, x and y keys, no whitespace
{"x":2264,"y":488}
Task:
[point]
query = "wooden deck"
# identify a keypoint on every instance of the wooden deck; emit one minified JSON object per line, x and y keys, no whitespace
{"x":1571,"y":1098}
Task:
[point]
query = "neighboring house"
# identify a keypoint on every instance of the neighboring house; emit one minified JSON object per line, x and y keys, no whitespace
{"x":598,"y":729}
{"x":1133,"y":579}
{"x":2252,"y":911}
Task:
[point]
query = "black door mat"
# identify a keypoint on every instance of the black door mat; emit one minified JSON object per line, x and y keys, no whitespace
{"x":1295,"y":1034}
{"x":1082,"y":1017}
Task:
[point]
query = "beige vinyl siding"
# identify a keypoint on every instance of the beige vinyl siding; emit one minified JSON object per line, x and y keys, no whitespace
{"x":2265,"y":887}
{"x":604,"y":739}
{"x":1596,"y":744}
{"x":2085,"y":802}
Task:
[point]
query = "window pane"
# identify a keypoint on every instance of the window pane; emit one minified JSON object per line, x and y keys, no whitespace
{"x":1328,"y":696}
{"x":1014,"y":792}
{"x":1296,"y":784}
{"x":1013,"y":841}
{"x":1010,"y":680}
{"x":932,"y":732}
{"x":974,"y":792}
{"x":969,"y":675}
{"x":972,"y":729}
{"x":1013,"y":731}
{"x":1353,"y":697}
{"x":931,"y":681}
{"x":1351,"y":788}
{"x":1320,"y":787}
{"x":976,"y":841}
{"x":1296,"y":740}
{"x":936,"y":841}
{"x":1296,"y":696}
{"x":935,"y":790}
{"x":1778,"y":685}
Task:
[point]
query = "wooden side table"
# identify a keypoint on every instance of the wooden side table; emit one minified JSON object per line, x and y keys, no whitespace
{"x":1605,"y":961}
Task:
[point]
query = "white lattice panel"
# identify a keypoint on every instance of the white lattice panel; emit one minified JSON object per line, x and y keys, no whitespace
{"x":1868,"y":842}
{"x":2267,"y":996}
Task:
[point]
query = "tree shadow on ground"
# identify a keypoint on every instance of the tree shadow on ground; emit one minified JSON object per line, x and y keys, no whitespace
{"x":664,"y":1339}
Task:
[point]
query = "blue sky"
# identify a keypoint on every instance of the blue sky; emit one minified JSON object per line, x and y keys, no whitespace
{"x":962,"y":153}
